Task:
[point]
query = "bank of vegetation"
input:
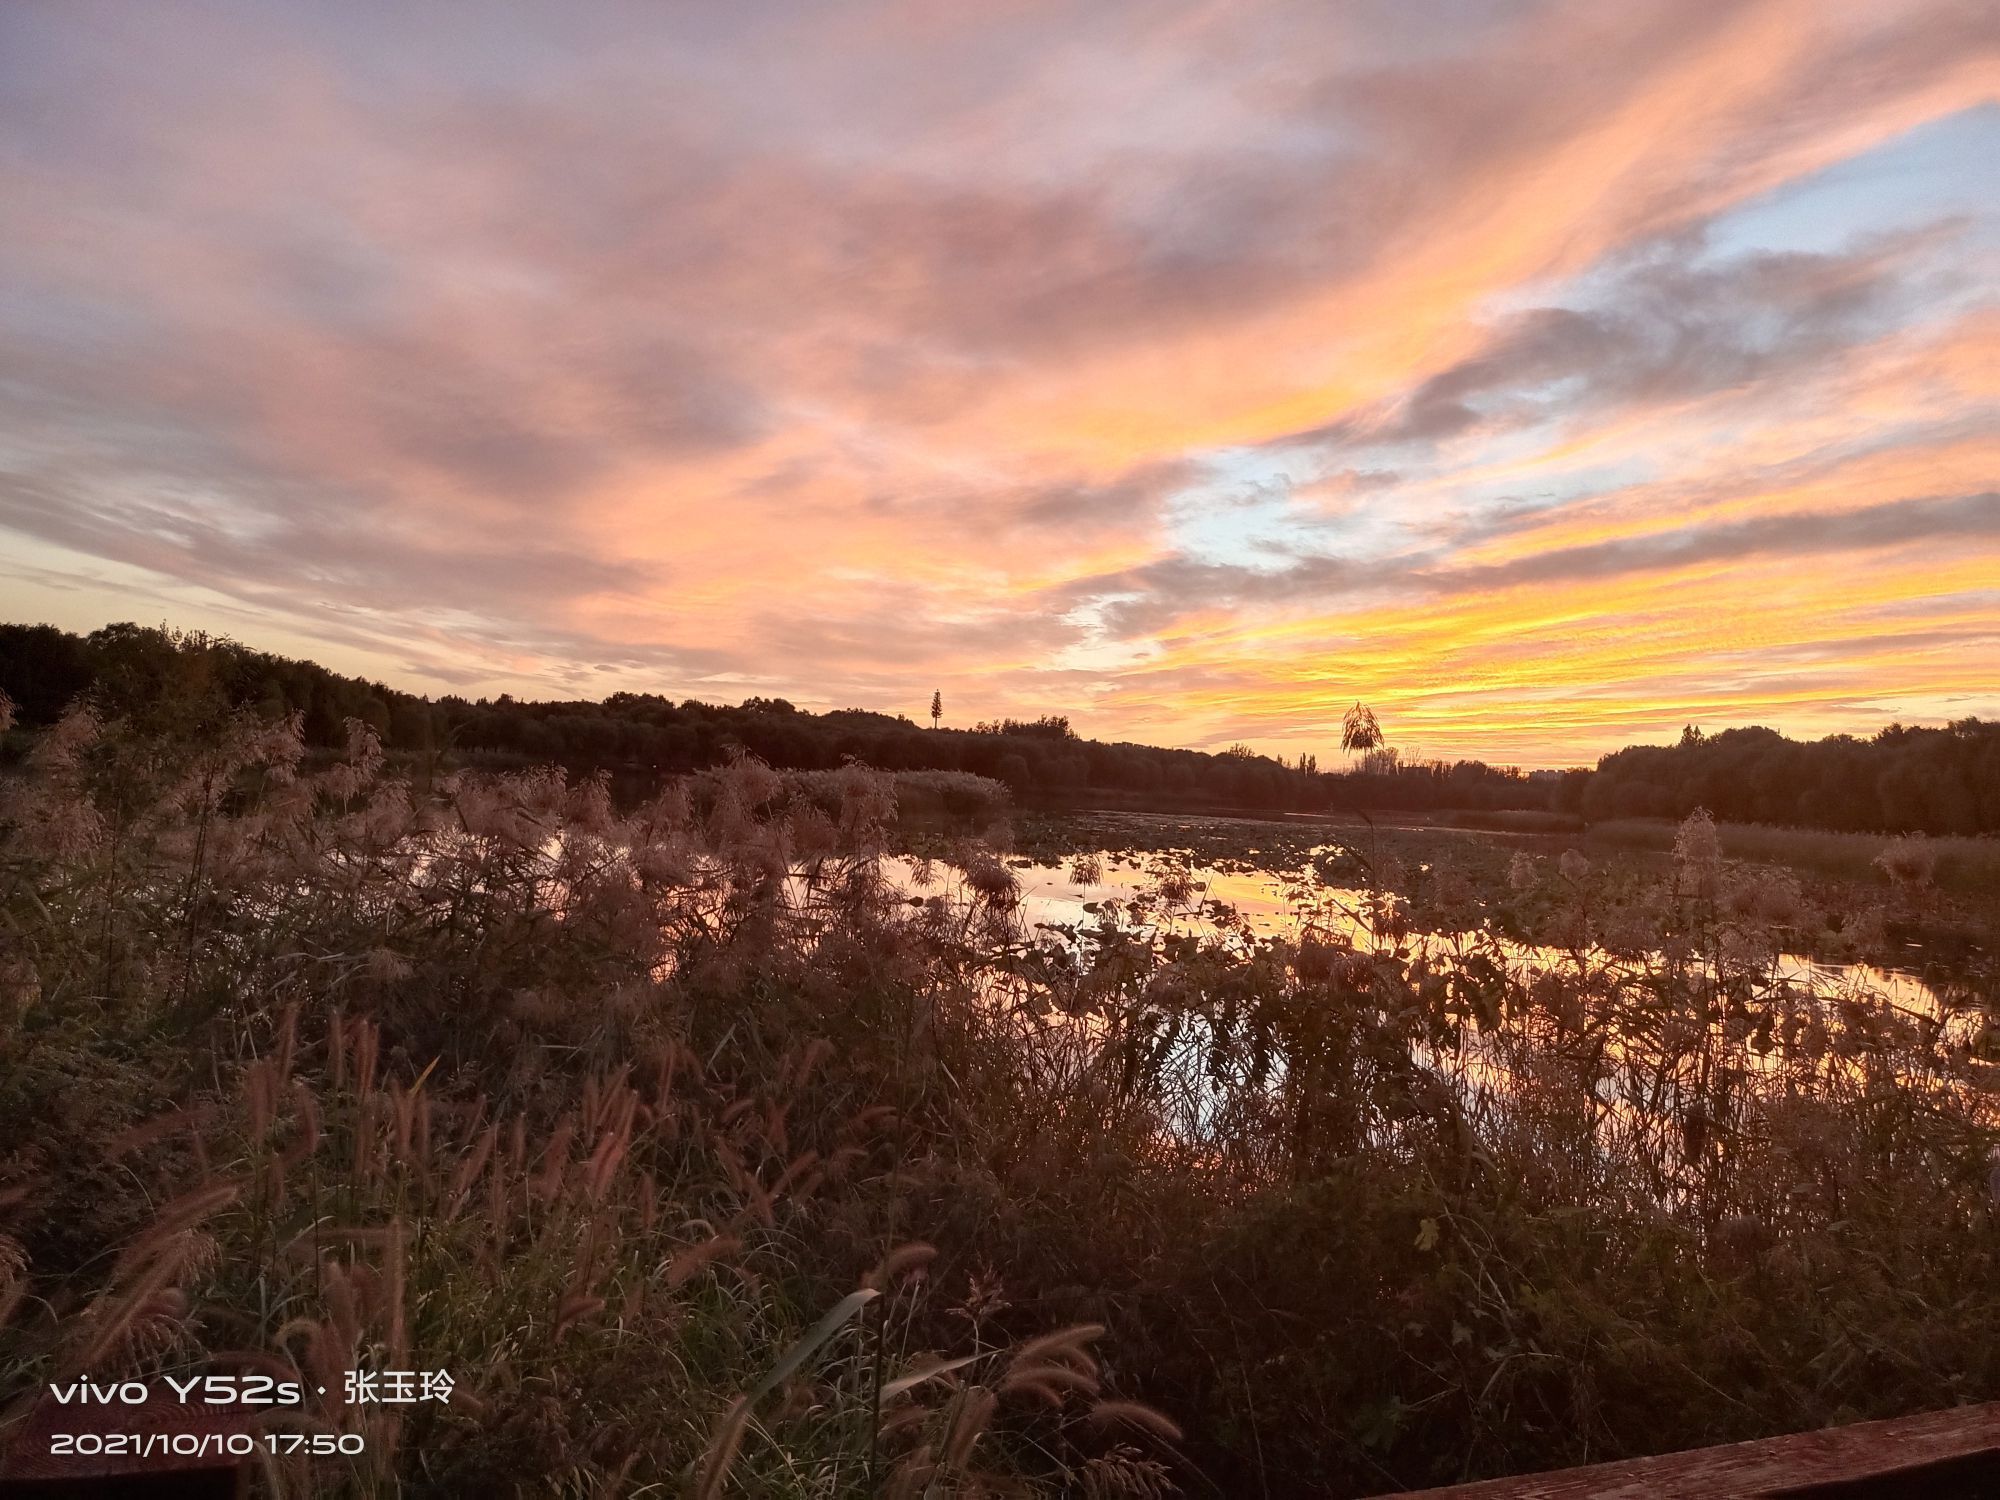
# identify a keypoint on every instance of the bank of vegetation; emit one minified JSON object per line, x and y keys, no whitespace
{"x":641,"y":737}
{"x":1942,"y":781}
{"x":709,"y":1159}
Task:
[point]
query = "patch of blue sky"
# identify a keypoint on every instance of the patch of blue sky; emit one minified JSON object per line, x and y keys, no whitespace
{"x":1941,"y":170}
{"x":1936,"y":174}
{"x":1263,"y":507}
{"x":1251,"y":509}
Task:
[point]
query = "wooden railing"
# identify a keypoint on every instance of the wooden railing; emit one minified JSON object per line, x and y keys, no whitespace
{"x":1936,"y":1455}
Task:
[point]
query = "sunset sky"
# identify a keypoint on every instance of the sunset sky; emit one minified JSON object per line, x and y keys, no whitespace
{"x":1546,"y":375}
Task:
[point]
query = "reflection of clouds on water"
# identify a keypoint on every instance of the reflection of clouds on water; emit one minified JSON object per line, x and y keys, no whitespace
{"x":1247,"y":995}
{"x":1125,"y":889}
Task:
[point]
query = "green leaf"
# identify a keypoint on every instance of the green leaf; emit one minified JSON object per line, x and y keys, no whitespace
{"x":820,"y":1332}
{"x":1428,"y":1235}
{"x":916,"y":1378}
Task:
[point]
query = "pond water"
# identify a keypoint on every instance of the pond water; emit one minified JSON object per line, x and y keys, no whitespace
{"x":1167,"y":891}
{"x":1073,"y":900}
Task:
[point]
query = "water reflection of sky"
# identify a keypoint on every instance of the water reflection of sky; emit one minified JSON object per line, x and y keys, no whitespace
{"x":1481,"y":1067}
{"x":1268,"y":904}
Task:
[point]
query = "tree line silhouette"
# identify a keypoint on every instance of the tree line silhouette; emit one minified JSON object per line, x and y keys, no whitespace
{"x":1902,"y":780}
{"x":1944,"y":781}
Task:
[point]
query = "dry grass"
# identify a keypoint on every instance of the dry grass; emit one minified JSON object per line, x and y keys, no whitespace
{"x":470,"y":1084}
{"x":709,"y":1163}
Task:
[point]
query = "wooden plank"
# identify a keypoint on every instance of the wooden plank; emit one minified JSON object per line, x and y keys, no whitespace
{"x":1944,"y":1452}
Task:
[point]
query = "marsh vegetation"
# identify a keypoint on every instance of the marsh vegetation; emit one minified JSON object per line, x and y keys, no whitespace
{"x":755,"y":1139}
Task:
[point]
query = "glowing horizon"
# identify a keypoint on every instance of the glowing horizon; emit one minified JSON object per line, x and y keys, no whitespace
{"x":1545,"y":375}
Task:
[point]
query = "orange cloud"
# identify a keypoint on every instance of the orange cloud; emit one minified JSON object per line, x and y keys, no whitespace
{"x":1179,"y":366}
